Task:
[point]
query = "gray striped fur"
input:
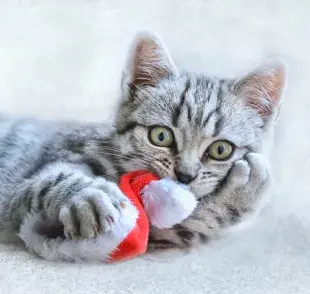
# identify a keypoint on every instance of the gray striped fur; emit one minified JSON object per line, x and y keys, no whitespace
{"x":66,"y":172}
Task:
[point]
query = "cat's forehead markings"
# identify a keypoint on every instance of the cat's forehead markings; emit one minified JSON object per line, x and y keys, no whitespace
{"x":209,"y":124}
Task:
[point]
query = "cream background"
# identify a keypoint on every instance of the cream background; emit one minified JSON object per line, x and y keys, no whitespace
{"x":63,"y":59}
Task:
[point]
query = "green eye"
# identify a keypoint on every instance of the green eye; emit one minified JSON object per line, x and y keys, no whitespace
{"x":220,"y":150}
{"x":161,"y":136}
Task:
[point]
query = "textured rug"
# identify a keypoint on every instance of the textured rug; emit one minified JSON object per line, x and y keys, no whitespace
{"x":63,"y":59}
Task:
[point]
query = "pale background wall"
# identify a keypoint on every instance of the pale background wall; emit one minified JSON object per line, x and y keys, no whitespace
{"x":63,"y":59}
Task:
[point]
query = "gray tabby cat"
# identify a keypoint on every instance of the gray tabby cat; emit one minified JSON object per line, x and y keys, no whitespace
{"x":205,"y":132}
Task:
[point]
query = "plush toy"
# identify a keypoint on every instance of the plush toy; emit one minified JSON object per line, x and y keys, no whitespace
{"x":160,"y":203}
{"x":163,"y":203}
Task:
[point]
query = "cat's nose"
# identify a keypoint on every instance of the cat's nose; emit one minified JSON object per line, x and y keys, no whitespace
{"x":184,"y":178}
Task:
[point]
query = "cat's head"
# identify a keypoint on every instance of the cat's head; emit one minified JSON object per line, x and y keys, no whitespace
{"x":189,"y":126}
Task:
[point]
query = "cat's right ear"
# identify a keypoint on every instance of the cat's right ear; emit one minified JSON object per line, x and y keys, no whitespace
{"x":263,"y":88}
{"x":148,"y":63}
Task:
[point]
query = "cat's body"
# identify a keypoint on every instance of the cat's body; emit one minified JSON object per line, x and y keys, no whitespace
{"x":26,"y":147}
{"x":65,"y":172}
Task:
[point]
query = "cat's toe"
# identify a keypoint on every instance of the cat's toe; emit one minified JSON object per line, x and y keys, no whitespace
{"x":239,"y":174}
{"x":67,"y":219}
{"x":259,"y":168}
{"x":87,"y":217}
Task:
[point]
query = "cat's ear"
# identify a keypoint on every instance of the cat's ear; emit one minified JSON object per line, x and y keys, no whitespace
{"x":148,"y":62}
{"x":262,"y":89}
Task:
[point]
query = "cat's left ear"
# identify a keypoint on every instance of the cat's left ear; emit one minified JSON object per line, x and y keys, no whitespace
{"x":263,"y":88}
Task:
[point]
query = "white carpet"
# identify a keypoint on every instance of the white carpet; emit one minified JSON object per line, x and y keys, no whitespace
{"x":62,"y":59}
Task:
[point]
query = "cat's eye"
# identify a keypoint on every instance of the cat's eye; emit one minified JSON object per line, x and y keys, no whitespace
{"x":161,"y":136}
{"x":220,"y":150}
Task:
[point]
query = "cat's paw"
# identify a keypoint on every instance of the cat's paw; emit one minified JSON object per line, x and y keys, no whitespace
{"x":246,"y":182}
{"x":93,"y":210}
{"x":250,"y":173}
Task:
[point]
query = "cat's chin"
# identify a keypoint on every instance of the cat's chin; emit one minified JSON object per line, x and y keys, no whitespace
{"x":201,"y":192}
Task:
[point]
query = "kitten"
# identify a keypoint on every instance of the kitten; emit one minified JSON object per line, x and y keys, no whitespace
{"x":205,"y":132}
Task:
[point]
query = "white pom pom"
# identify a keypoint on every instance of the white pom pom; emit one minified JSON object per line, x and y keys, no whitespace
{"x":167,"y":202}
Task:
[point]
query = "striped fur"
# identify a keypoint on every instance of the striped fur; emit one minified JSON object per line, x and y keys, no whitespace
{"x":66,"y":172}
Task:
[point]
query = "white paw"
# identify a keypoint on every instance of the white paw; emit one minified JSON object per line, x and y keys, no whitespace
{"x":259,"y":170}
{"x":93,"y":210}
{"x":249,"y":173}
{"x":239,"y":174}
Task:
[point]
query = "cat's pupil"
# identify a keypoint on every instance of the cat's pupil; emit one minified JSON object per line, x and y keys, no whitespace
{"x":161,"y":136}
{"x":220,"y":149}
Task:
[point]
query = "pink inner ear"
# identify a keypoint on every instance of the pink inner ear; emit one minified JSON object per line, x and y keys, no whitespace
{"x":147,"y":69}
{"x":262,"y":90}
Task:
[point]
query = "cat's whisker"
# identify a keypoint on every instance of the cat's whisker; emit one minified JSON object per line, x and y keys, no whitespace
{"x":120,"y":156}
{"x":109,"y":172}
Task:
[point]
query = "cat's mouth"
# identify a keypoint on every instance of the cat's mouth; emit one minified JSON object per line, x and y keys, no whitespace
{"x":162,"y":174}
{"x":166,"y":175}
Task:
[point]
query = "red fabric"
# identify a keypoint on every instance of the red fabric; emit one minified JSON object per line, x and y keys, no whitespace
{"x":136,"y":242}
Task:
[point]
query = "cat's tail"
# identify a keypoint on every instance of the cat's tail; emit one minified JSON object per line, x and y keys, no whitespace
{"x":60,"y":248}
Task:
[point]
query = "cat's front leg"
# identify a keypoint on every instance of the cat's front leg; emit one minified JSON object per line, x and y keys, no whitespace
{"x":242,"y":191}
{"x":237,"y":196}
{"x":69,"y":195}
